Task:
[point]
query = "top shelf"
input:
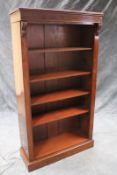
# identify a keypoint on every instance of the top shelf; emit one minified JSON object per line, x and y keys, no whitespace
{"x":65,"y":49}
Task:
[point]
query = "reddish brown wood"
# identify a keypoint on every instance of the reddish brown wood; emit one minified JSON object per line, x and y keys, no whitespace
{"x":60,"y":142}
{"x":58,"y":95}
{"x":38,"y":163}
{"x":51,"y":16}
{"x":68,"y":49}
{"x":94,"y":76}
{"x":24,"y":48}
{"x":55,"y":61}
{"x":57,"y":115}
{"x":22,"y":90}
{"x":57,"y":75}
{"x":19,"y":86}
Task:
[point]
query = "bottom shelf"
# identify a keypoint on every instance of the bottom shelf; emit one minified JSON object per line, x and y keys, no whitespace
{"x":38,"y":162}
{"x":58,"y":143}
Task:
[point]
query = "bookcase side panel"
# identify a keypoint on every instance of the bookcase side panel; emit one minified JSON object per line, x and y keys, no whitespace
{"x":19,"y":85}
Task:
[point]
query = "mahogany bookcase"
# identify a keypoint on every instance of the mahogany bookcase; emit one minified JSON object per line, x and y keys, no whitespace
{"x":55,"y":57}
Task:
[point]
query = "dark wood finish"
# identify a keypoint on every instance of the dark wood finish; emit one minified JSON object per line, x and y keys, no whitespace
{"x":25,"y":65}
{"x":60,"y":142}
{"x":67,"y":49}
{"x":57,"y":75}
{"x":55,"y":65}
{"x":94,"y":76}
{"x":22,"y":91}
{"x":38,"y":163}
{"x":56,"y":96}
{"x":57,"y":115}
{"x":56,"y":16}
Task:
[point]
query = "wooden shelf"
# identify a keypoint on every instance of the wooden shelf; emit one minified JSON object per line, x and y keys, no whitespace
{"x":57,"y":115}
{"x":57,"y":96}
{"x":57,"y":75}
{"x":65,"y":49}
{"x":58,"y":143}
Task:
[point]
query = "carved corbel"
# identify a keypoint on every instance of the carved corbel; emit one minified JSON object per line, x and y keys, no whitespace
{"x":23,"y":28}
{"x":97,"y":28}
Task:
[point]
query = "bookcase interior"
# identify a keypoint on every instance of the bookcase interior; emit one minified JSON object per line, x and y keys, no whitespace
{"x":60,"y":67}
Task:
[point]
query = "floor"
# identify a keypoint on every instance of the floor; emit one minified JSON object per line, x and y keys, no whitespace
{"x":99,"y":160}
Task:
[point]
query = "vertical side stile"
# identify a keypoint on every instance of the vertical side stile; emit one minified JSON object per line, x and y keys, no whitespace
{"x":25,"y":62}
{"x":93,"y":78}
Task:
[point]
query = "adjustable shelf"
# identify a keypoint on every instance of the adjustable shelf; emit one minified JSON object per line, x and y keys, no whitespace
{"x":57,"y":75}
{"x":55,"y":57}
{"x":58,"y":95}
{"x":58,"y":115}
{"x":65,"y":49}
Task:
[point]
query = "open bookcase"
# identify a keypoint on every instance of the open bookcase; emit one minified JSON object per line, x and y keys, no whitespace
{"x":55,"y":61}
